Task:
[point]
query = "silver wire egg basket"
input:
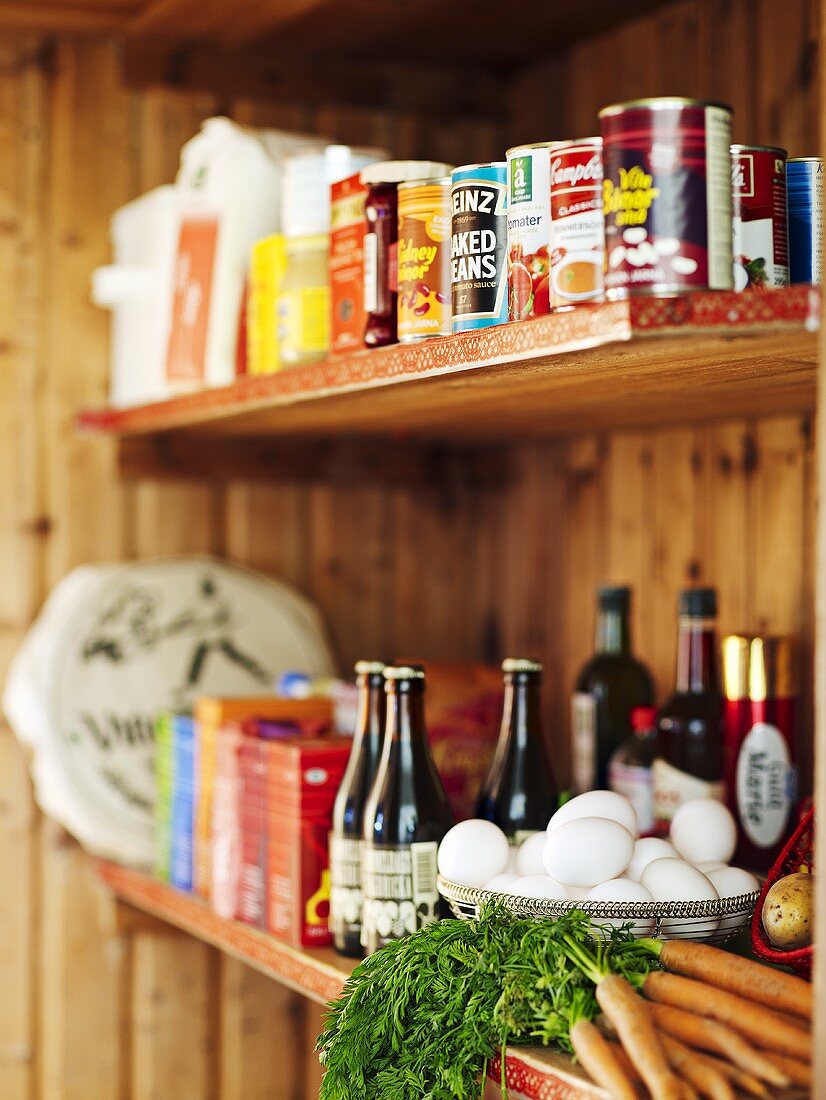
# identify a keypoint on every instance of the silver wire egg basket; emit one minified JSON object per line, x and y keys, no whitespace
{"x":710,"y":921}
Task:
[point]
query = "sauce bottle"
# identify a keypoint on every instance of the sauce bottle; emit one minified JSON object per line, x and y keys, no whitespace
{"x":629,"y":769}
{"x":518,"y":793}
{"x":689,"y":763}
{"x":348,"y":811}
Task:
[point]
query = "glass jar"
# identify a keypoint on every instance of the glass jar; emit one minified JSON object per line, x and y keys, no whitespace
{"x":304,"y":301}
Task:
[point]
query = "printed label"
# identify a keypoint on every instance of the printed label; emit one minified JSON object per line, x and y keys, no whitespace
{"x":577,"y":224}
{"x":637,"y":784}
{"x":345,"y":885}
{"x":186,"y":356}
{"x":529,"y":234}
{"x":304,"y":322}
{"x":371,"y":272}
{"x":584,"y":741}
{"x":805,"y":187}
{"x":400,"y":894}
{"x":673,"y":787}
{"x":424,"y":265}
{"x":478,"y":247}
{"x":765,"y":785}
{"x":760,"y":224}
{"x":347,"y":227}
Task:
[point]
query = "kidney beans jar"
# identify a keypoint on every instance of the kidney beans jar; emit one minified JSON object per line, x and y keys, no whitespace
{"x":667,"y":196}
{"x":380,"y":242}
{"x":424,"y":260}
{"x":761,"y":221}
{"x":529,"y":230}
{"x":478,"y":248}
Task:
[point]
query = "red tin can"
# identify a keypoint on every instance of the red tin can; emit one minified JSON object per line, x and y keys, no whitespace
{"x":577,"y":223}
{"x":667,"y":196}
{"x":760,"y":686}
{"x":760,"y":216}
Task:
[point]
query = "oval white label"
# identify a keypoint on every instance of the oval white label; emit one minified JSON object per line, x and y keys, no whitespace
{"x":316,"y":776}
{"x":765,"y":785}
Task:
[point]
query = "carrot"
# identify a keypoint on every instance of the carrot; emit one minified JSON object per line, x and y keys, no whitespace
{"x":703,"y":1077}
{"x":745,"y":1082}
{"x":627,"y":1066}
{"x":630,"y":1016}
{"x":746,"y":978}
{"x":697,"y":1031}
{"x":595,"y":1053}
{"x":799,"y":1073}
{"x":688,"y":1091}
{"x":761,"y":1025}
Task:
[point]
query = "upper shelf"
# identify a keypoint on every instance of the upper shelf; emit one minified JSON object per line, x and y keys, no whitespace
{"x":623,"y":364}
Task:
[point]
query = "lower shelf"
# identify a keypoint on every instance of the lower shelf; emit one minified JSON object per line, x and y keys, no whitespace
{"x":320,"y":973}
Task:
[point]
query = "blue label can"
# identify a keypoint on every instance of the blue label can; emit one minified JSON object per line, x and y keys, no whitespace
{"x":478,"y":245}
{"x":804,"y":179}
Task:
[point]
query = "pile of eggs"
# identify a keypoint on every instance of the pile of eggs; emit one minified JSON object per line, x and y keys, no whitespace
{"x":591,"y":852}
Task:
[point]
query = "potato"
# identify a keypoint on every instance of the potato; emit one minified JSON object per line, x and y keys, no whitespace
{"x":788,"y":912}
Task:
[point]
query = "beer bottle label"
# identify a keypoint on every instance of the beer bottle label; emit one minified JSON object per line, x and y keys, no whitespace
{"x":400,"y":894}
{"x":345,"y":885}
{"x":673,"y":787}
{"x":584,"y":741}
{"x":765,"y":785}
{"x":637,"y":784}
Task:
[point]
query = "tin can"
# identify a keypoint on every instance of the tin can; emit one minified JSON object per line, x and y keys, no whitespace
{"x":479,"y":231}
{"x":760,"y":687}
{"x":804,"y":176}
{"x":577,"y":223}
{"x":667,"y":196}
{"x":760,"y":218}
{"x":424,"y":259}
{"x":529,"y":230}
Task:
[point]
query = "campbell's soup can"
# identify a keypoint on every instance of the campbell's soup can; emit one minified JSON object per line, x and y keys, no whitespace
{"x":424,"y":260}
{"x":577,"y":223}
{"x":760,"y":216}
{"x":804,"y":177}
{"x":667,"y":196}
{"x":478,"y":249}
{"x":529,"y":230}
{"x":760,"y":685}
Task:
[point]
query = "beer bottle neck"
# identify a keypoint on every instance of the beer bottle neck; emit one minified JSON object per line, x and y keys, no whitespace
{"x":613,"y":631}
{"x":697,"y":657}
{"x":370,"y":711}
{"x":521,"y":714}
{"x":405,"y":718}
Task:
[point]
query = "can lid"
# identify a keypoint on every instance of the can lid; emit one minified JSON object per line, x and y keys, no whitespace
{"x":521,"y":664}
{"x":759,"y":149}
{"x":503,"y":164}
{"x":526,"y":146}
{"x":369,"y":668}
{"x":698,"y":603}
{"x":662,"y":103}
{"x":805,"y":160}
{"x":401,"y":171}
{"x":574,"y":142}
{"x":403,"y":672}
{"x":614,"y":597}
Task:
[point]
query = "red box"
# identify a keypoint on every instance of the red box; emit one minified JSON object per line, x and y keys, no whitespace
{"x":347,"y":229}
{"x":303,"y":778}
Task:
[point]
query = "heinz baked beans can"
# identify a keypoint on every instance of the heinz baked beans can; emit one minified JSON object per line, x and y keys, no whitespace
{"x":667,"y":196}
{"x":804,"y":176}
{"x":577,"y":223}
{"x":479,"y":234}
{"x":424,"y":260}
{"x":760,"y":216}
{"x":529,"y":230}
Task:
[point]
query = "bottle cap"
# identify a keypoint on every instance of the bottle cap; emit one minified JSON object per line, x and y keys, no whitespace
{"x":614,"y":597}
{"x":759,"y":667}
{"x":369,"y":668}
{"x":698,"y":603}
{"x":643,"y":718}
{"x":403,"y":672}
{"x":521,"y":664}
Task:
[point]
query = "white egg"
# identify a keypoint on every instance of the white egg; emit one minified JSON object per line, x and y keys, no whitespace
{"x":500,"y":883}
{"x":578,"y":893}
{"x":538,"y":886}
{"x":472,"y":852}
{"x":623,"y":890}
{"x":646,"y":850}
{"x":676,"y":880}
{"x":512,"y":855}
{"x":588,"y":850}
{"x":710,"y":865}
{"x":731,"y":882}
{"x":703,"y":831}
{"x":529,"y":855}
{"x":608,"y":804}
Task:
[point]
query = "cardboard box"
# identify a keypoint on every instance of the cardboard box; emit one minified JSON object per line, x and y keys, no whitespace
{"x":347,"y":228}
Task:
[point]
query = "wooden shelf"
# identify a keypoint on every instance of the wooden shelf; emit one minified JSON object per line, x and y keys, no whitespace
{"x":622,"y":364}
{"x":319,"y":974}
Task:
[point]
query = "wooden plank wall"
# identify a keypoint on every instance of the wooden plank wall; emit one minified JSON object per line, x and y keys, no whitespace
{"x":95,"y":1007}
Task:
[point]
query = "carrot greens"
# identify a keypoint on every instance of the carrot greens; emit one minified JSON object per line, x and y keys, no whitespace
{"x":422,"y":1018}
